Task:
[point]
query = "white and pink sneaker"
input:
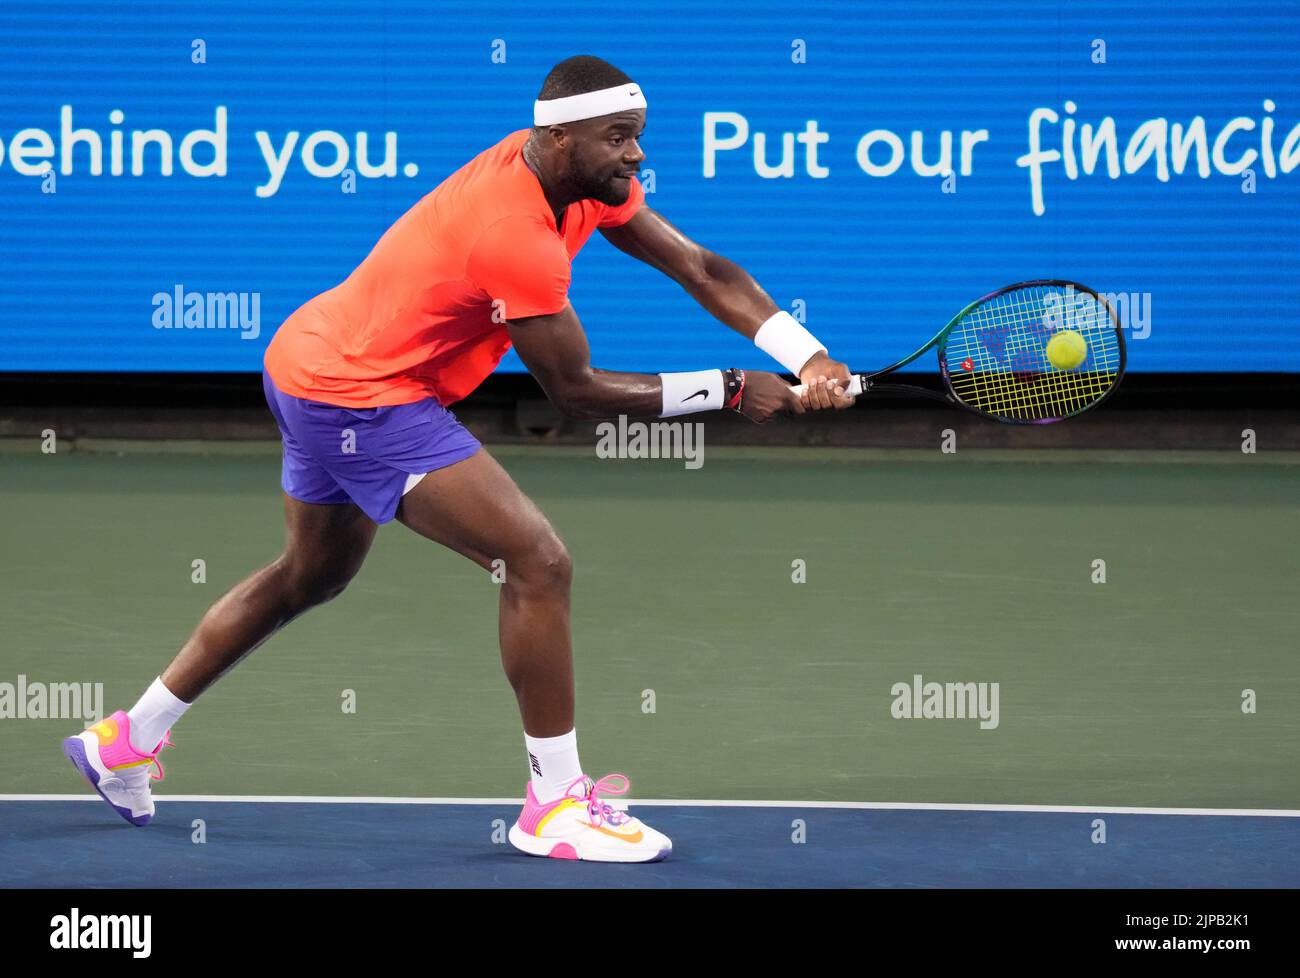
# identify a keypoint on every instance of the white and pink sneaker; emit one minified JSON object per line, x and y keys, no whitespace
{"x":121,"y":774}
{"x":579,"y":825}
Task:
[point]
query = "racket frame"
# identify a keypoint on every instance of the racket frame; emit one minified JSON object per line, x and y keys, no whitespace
{"x":865,"y":382}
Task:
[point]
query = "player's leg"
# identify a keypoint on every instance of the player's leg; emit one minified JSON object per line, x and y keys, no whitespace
{"x":328,"y":531}
{"x":325,"y":545}
{"x":324,"y":548}
{"x":327,"y":537}
{"x":476,"y":509}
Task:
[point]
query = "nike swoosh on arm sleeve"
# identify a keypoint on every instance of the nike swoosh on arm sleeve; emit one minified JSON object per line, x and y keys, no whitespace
{"x":521,"y":263}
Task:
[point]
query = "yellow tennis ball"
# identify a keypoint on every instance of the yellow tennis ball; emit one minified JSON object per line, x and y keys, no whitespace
{"x":1066,"y":350}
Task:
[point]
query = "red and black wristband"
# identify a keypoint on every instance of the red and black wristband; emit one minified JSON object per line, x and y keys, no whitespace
{"x":733,"y":389}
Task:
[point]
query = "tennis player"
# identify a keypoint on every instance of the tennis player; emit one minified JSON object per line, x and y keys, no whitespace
{"x":359,"y":379}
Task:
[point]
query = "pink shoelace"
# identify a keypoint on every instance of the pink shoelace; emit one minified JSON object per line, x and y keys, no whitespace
{"x":598,"y":810}
{"x":166,"y":742}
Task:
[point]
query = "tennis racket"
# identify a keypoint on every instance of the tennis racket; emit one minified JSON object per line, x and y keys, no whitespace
{"x":993,"y":355}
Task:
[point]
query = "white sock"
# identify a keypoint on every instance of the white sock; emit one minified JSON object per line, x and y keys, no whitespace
{"x":150,"y":718}
{"x":553,"y":764}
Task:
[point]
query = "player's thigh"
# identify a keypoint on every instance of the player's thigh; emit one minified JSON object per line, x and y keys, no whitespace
{"x":326,"y":542}
{"x":476,"y":509}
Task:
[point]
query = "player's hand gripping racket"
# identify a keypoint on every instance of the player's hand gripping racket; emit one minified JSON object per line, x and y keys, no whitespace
{"x":1031,"y":353}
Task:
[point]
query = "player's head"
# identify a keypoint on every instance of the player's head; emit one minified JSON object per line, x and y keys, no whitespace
{"x":588,"y":119}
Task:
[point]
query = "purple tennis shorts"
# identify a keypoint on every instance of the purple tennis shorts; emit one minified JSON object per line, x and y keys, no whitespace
{"x":365,"y":456}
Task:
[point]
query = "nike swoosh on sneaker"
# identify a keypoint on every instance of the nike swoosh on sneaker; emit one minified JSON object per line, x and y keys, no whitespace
{"x":635,"y":837}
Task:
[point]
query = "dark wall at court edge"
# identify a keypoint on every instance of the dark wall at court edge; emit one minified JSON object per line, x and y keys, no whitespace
{"x":1193,"y":218}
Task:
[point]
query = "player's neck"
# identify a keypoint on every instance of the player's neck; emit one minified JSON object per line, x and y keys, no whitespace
{"x":557,"y":200}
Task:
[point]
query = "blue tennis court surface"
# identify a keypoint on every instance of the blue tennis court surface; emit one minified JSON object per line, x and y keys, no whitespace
{"x":288,"y":844}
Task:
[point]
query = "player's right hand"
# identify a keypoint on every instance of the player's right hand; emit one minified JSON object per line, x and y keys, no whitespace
{"x":767,"y":395}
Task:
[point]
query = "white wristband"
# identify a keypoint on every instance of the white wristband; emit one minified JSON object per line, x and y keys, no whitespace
{"x":787,"y":342}
{"x":694,"y":390}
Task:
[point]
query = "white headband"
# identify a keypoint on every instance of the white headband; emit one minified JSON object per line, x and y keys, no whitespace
{"x":588,"y":105}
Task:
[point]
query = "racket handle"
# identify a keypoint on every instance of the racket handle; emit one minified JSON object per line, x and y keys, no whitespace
{"x":853,"y":390}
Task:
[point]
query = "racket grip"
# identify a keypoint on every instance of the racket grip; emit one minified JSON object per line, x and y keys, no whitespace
{"x":853,"y":390}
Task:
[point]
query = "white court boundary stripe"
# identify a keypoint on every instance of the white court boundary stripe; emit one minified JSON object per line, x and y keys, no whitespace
{"x":693,"y":803}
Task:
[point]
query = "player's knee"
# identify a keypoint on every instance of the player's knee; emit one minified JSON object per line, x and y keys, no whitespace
{"x":545,"y":565}
{"x":306,"y":587}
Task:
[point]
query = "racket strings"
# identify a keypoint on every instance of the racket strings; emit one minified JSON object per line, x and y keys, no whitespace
{"x":1032,"y":387}
{"x":997,"y":354}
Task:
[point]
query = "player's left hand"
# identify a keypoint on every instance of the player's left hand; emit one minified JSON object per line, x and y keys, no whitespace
{"x":825,"y":382}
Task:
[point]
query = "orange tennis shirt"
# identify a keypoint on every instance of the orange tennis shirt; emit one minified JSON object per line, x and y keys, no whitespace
{"x":415,"y":319}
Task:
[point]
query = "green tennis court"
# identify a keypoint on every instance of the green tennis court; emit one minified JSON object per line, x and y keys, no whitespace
{"x":704,"y":670}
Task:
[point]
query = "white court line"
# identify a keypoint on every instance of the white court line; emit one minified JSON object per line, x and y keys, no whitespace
{"x":692,"y":803}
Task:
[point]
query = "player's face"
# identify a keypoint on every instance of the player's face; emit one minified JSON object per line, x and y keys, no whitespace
{"x":607,"y":157}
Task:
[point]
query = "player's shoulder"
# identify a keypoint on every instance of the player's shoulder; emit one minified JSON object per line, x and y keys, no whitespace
{"x":467,"y":203}
{"x":498,"y":158}
{"x":494,"y":172}
{"x":491,"y":191}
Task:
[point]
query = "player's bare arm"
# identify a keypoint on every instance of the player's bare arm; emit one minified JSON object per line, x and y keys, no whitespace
{"x":554,"y":348}
{"x":727,"y":291}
